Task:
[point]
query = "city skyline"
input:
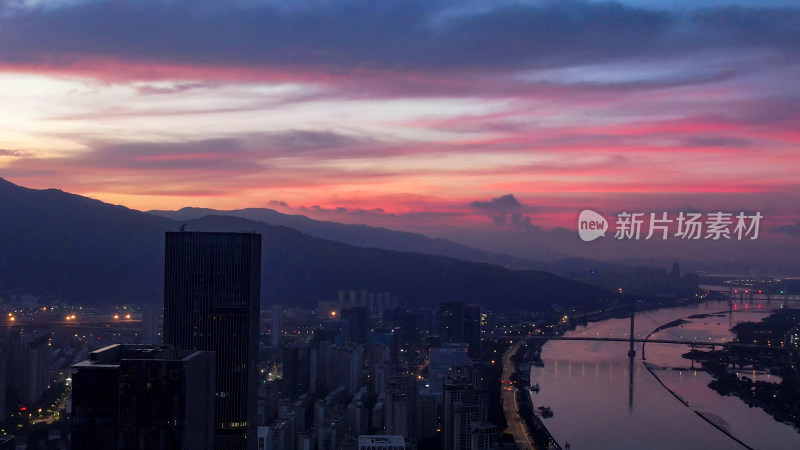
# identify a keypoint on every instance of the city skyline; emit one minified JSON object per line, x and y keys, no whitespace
{"x":399,"y":224}
{"x":428,"y":117}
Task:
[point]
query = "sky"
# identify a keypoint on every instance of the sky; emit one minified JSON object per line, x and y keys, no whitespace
{"x":492,"y":123}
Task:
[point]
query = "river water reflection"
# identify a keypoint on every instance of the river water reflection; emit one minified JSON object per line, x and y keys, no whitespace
{"x":587,"y":384}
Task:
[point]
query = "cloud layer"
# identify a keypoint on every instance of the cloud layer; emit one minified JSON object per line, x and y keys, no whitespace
{"x":390,"y":35}
{"x":421,"y":115}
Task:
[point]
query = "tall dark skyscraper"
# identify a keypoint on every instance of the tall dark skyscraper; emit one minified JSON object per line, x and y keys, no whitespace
{"x":357,"y":324}
{"x":460,"y":323}
{"x":451,"y":322}
{"x":464,"y":402}
{"x":212,"y":302}
{"x":296,"y":369}
{"x":472,"y":329}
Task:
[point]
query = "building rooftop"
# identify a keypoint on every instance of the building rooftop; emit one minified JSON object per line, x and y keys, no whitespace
{"x":381,"y":439}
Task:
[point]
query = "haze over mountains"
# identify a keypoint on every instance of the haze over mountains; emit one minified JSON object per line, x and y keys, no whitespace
{"x":771,"y":255}
{"x":57,"y":245}
{"x":731,"y":257}
{"x":360,"y":235}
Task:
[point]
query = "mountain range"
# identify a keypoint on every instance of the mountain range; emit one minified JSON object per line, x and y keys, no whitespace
{"x":61,"y":246}
{"x":359,"y":235}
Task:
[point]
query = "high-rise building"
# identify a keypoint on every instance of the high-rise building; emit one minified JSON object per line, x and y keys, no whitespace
{"x":464,"y":402}
{"x":296,"y":369}
{"x":307,"y":440}
{"x":357,"y":324}
{"x":462,"y":415}
{"x":281,"y":436}
{"x":264,"y":438}
{"x":358,"y":414}
{"x":391,"y":339}
{"x":339,"y":366}
{"x":212,"y":302}
{"x":330,"y":435}
{"x":445,"y":360}
{"x":461,"y":323}
{"x":483,"y":435}
{"x":451,"y":322}
{"x":28,"y":364}
{"x":399,"y":414}
{"x":428,"y":412}
{"x":143,"y":396}
{"x":472,"y":329}
{"x":402,"y":396}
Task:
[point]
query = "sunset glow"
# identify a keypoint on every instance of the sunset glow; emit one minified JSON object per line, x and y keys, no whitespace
{"x":405,"y":115}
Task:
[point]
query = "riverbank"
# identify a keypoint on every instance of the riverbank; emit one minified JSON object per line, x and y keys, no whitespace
{"x":780,"y":400}
{"x":593,"y":382}
{"x":508,"y":397}
{"x":522,"y":359}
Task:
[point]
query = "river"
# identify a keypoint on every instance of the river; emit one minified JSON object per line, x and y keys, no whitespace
{"x":588,"y":385}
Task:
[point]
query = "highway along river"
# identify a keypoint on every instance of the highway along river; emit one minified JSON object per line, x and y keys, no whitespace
{"x":597,"y":404}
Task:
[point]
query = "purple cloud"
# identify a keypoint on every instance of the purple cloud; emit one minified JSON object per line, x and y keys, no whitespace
{"x":394,"y":35}
{"x":504,"y":210}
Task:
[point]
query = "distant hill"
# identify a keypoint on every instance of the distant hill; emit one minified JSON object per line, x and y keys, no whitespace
{"x":64,"y":246}
{"x":61,"y":245}
{"x":300,"y":267}
{"x":361,"y":235}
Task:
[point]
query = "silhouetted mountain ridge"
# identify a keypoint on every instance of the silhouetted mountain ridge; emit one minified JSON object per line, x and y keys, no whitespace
{"x":419,"y":279}
{"x":360,"y":235}
{"x":62,"y":245}
{"x":58,"y":245}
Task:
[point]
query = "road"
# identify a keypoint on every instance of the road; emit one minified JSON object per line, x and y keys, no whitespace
{"x":508,"y":394}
